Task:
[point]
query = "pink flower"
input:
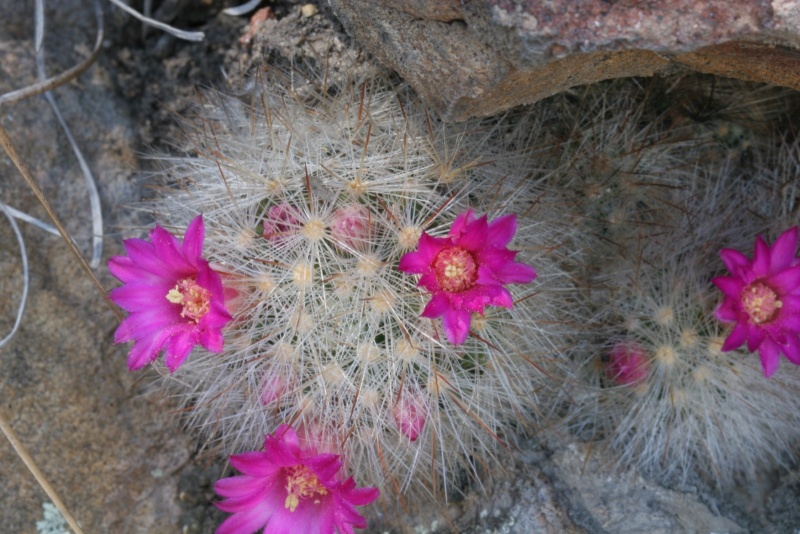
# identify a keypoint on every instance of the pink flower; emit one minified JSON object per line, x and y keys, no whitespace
{"x":467,"y":270}
{"x":174,"y":298}
{"x":288,"y":489}
{"x":762,"y":296}
{"x":628,"y":364}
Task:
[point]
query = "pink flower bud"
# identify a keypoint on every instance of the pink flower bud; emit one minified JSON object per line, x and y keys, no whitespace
{"x":281,"y":220}
{"x":351,"y":226}
{"x":273,"y":388}
{"x":628,"y":364}
{"x":410,"y":414}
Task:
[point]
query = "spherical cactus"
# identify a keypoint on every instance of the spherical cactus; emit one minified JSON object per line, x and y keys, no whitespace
{"x":310,"y":203}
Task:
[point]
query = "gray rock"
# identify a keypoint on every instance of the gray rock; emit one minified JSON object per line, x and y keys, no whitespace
{"x":111,"y":452}
{"x":621,"y":501}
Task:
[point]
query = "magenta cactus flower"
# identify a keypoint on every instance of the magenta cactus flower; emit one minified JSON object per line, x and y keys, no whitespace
{"x":762,"y":298}
{"x":628,"y":364}
{"x":174,"y":298}
{"x":288,"y":488}
{"x":467,"y":270}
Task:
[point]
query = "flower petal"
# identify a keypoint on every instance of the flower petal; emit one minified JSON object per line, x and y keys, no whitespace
{"x":255,"y":464}
{"x":734,"y":260}
{"x":770,"y":357}
{"x":755,"y":336}
{"x":209,"y":279}
{"x":146,"y":349}
{"x":786,"y":322}
{"x":178,"y":349}
{"x":193,"y":239}
{"x":761,"y":259}
{"x":460,"y":224}
{"x":785,"y":281}
{"x":362,"y":496}
{"x":502,"y":230}
{"x":428,"y":281}
{"x":730,"y":285}
{"x":735,"y":339}
{"x":137,"y":296}
{"x":791,"y":349}
{"x":303,"y":519}
{"x":494,"y":258}
{"x":168,"y":249}
{"x":782,"y":252}
{"x":145,"y":324}
{"x":144,"y":255}
{"x":728,"y":310}
{"x":125,"y":270}
{"x":456,"y":325}
{"x":475,"y":235}
{"x":437,"y":306}
{"x":324,"y":466}
{"x":217,"y":316}
{"x":419,"y":261}
{"x":791,"y":306}
{"x":516,"y":273}
{"x":246,"y":522}
{"x":211,"y":339}
{"x":478,"y":297}
{"x":238,"y":486}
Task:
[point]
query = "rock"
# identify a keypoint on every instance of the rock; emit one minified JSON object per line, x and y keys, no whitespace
{"x":621,"y":501}
{"x":480,"y":58}
{"x":289,"y":34}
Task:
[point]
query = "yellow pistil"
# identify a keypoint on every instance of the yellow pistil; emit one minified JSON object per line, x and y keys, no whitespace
{"x":175,"y":296}
{"x":301,"y":483}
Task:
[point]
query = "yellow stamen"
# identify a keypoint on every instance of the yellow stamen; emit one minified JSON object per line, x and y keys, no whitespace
{"x":194,"y":300}
{"x":301,"y":483}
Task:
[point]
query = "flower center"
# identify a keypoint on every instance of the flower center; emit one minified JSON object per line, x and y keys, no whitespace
{"x":194,"y":300}
{"x":301,"y":483}
{"x":455,"y":269}
{"x":760,"y":302}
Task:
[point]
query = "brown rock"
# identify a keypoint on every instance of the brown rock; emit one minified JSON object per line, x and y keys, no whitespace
{"x":479,"y":58}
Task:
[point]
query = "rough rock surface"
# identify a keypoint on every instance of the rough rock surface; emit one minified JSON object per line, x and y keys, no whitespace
{"x":478,"y":58}
{"x":624,"y":502}
{"x":109,"y":448}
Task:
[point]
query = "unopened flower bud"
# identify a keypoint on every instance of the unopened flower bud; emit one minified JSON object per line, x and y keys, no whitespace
{"x":280,"y":221}
{"x":351,"y":226}
{"x":410,"y":414}
{"x":628,"y":364}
